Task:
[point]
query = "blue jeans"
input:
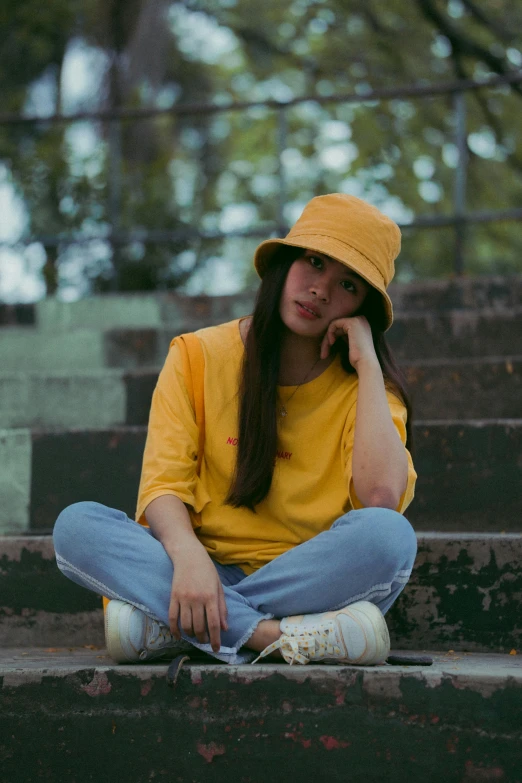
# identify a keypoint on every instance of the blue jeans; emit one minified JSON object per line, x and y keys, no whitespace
{"x":367,"y":555}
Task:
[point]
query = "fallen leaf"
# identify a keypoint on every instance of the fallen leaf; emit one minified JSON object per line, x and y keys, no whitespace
{"x":91,"y":647}
{"x":513,"y":652}
{"x":52,"y":649}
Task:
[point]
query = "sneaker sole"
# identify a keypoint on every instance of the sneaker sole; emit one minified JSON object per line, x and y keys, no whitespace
{"x":118,"y":612}
{"x":369,"y":618}
{"x":113,"y":613}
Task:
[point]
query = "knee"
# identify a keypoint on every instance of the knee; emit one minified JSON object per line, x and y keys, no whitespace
{"x":389,"y":533}
{"x":72,"y":528}
{"x":394,"y":535}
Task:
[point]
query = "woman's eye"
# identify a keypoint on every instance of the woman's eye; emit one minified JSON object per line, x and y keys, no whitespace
{"x":315,"y":261}
{"x":348,"y":286}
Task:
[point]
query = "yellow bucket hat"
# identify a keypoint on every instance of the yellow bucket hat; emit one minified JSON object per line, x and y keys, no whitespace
{"x":348,"y":230}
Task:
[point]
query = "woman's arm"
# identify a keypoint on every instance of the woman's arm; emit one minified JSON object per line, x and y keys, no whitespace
{"x":197,"y":599}
{"x":379,"y":461}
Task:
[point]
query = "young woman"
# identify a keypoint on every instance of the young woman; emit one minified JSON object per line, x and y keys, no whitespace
{"x":290,"y":541}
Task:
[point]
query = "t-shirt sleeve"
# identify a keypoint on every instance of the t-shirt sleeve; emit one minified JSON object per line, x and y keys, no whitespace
{"x":399,"y":416}
{"x":171,"y":449}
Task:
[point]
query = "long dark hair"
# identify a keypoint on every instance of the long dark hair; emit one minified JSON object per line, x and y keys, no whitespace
{"x":257,"y":437}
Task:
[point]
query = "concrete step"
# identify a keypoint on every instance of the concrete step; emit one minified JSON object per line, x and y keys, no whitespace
{"x":469,"y":474}
{"x":464,"y":594}
{"x":161,"y":308}
{"x":71,"y":715}
{"x":497,"y":292}
{"x":417,"y":336}
{"x":441,"y":389}
{"x":466,"y":388}
{"x":414,"y":336}
{"x":145,"y":310}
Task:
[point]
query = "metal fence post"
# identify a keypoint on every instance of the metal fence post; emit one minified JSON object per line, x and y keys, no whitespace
{"x":459,"y":194}
{"x":282,"y":134}
{"x":114,"y":198}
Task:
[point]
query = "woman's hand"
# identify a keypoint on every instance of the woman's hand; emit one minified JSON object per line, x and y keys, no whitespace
{"x":357,"y":332}
{"x":197,"y":598}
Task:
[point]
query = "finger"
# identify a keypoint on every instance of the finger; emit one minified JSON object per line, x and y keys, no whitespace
{"x":186,"y":619}
{"x":213,"y":626}
{"x":173,"y":619}
{"x":223,"y":611}
{"x":325,"y":347}
{"x":198,"y":622}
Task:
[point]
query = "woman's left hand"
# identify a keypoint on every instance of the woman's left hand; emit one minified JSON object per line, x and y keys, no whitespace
{"x":356,"y":331}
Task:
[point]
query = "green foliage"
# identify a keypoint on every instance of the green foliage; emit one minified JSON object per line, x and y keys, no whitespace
{"x":189,"y":172}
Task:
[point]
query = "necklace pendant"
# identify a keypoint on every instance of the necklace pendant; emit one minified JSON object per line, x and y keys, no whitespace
{"x":283,"y":411}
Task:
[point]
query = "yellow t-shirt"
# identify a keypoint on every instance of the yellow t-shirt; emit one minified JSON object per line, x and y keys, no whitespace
{"x":312,"y":483}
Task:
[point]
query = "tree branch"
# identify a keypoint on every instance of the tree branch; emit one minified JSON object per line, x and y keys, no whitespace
{"x":486,"y":21}
{"x":461,"y":44}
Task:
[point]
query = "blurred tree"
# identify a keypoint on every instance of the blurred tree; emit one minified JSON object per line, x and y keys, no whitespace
{"x":220,"y":171}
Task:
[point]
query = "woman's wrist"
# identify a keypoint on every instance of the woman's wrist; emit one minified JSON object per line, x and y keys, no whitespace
{"x":368,"y":365}
{"x":182,"y":546}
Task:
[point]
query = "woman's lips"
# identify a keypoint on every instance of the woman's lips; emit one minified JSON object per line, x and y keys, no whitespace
{"x":305,"y":313}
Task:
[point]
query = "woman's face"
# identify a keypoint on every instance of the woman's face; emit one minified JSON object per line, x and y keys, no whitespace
{"x":319,"y":283}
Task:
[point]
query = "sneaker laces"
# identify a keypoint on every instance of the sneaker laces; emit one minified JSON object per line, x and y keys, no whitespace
{"x":305,"y":647}
{"x":160,"y":634}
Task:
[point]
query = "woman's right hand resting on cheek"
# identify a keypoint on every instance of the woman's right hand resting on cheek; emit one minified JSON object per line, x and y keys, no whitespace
{"x":197,"y":598}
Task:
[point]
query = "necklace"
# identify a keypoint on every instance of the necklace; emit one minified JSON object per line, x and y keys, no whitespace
{"x":282,"y":411}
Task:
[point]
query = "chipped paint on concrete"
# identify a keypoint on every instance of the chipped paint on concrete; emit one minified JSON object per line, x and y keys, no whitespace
{"x":464,"y":593}
{"x":210,"y":751}
{"x":479,"y":773}
{"x":312,"y":719}
{"x":12,"y":547}
{"x":22,"y":677}
{"x":332,"y":743}
{"x":482,"y":549}
{"x":195,"y":676}
{"x":98,"y":686}
{"x":382,"y":683}
{"x":485,"y":686}
{"x":146,"y":687}
{"x":433,"y":679}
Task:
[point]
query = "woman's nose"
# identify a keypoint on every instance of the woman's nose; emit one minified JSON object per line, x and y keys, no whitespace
{"x":321,"y":289}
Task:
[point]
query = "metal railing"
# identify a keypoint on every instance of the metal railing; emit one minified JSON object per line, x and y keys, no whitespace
{"x":459,"y":219}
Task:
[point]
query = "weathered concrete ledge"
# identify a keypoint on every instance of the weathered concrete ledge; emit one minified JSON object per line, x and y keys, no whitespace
{"x":413,"y":336}
{"x":152,"y":309}
{"x":456,"y":333}
{"x":64,"y":399}
{"x":466,"y":388}
{"x":464,"y":594}
{"x":66,"y":715}
{"x":470,"y":388}
{"x":469,"y":474}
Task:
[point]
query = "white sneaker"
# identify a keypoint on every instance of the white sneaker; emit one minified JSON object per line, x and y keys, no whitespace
{"x":131,"y":635}
{"x":356,"y":634}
